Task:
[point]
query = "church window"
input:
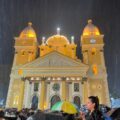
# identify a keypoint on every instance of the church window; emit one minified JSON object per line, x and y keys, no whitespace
{"x":73,"y":48}
{"x":34,"y":104}
{"x":36,"y":85}
{"x":86,"y":51}
{"x":23,"y":52}
{"x":64,"y":45}
{"x":30,"y":52}
{"x":56,"y":87}
{"x":77,"y":101}
{"x":93,"y":51}
{"x":76,"y":87}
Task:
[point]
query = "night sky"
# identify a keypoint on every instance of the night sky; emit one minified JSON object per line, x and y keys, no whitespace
{"x":71,"y":16}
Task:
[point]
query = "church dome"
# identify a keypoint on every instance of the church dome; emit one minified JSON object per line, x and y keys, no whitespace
{"x":91,"y":29}
{"x":28,"y":32}
{"x":57,"y":40}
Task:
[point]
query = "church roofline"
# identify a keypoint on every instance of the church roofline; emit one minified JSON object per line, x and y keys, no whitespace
{"x":77,"y":61}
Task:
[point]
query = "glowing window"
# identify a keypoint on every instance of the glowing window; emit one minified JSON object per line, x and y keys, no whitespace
{"x":95,"y":69}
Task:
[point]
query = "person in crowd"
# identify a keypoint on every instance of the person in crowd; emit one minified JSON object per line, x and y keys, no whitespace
{"x":1,"y":115}
{"x":69,"y":117}
{"x":93,"y":107}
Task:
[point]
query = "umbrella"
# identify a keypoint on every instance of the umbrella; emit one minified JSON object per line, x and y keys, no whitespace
{"x":64,"y":106}
{"x":78,"y":109}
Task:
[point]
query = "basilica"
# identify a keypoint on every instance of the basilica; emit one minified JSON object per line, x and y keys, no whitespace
{"x":43,"y":74}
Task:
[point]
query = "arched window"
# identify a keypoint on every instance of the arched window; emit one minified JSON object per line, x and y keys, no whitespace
{"x":34,"y":102}
{"x":77,"y":101}
{"x":93,"y":51}
{"x":55,"y":99}
{"x":23,"y":52}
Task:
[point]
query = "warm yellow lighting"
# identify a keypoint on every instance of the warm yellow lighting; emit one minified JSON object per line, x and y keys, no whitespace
{"x":93,"y":51}
{"x":16,"y":100}
{"x":97,"y":33}
{"x":86,"y":33}
{"x":23,"y":52}
{"x":57,"y":40}
{"x":28,"y":32}
{"x":20,"y":72}
{"x":91,"y":29}
{"x":45,"y":106}
{"x":95,"y":69}
{"x":30,"y":35}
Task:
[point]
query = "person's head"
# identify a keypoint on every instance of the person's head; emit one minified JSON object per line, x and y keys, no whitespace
{"x":1,"y":114}
{"x":93,"y":103}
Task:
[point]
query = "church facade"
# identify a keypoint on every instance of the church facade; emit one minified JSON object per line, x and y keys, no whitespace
{"x":44,"y":74}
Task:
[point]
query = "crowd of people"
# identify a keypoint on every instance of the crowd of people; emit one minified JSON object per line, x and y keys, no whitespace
{"x":93,"y":107}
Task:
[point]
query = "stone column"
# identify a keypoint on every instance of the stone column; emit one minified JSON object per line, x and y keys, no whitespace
{"x":21,"y":94}
{"x":85,"y":90}
{"x":9,"y":92}
{"x":48,"y":95}
{"x":42,"y":94}
{"x":63,"y":89}
{"x":70,"y":91}
{"x":83,"y":101}
{"x":27,"y":95}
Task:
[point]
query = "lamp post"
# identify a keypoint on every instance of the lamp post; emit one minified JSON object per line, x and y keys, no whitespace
{"x":58,"y":31}
{"x":43,"y":40}
{"x":72,"y":39}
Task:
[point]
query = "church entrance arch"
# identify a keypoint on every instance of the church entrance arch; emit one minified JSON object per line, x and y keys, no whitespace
{"x":34,"y":104}
{"x":77,"y":101}
{"x":55,"y":99}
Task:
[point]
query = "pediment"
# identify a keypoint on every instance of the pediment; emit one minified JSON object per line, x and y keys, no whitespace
{"x":54,"y":59}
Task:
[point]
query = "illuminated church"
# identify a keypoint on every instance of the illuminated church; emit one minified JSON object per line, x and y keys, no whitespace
{"x":43,"y":74}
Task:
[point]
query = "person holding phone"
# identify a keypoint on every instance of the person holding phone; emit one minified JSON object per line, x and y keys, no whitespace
{"x":93,"y":107}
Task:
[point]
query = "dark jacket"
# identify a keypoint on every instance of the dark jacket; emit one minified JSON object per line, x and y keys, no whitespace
{"x":95,"y":115}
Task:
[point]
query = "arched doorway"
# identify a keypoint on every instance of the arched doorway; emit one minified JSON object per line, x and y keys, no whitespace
{"x":77,"y":101}
{"x":55,"y":99}
{"x":34,"y":104}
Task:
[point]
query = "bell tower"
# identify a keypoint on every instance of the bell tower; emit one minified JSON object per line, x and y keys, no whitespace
{"x":26,"y":46}
{"x":93,"y":55}
{"x":25,"y":51}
